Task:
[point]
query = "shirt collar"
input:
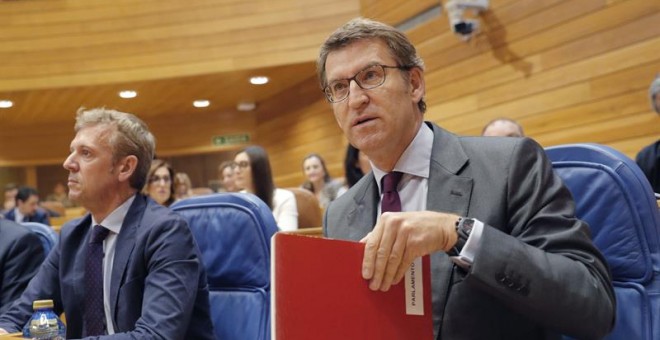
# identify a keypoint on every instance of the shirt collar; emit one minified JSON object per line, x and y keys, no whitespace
{"x":415,"y":160}
{"x":116,"y":218}
{"x":18,"y":216}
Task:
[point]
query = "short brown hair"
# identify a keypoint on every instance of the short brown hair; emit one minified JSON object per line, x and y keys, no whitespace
{"x":400,"y":47}
{"x":130,"y":136}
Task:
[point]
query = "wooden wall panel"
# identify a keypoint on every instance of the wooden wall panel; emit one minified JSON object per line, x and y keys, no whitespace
{"x":569,"y":71}
{"x":81,"y":43}
{"x":175,"y":135}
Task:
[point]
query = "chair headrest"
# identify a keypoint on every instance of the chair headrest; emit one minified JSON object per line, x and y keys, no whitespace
{"x":614,"y":197}
{"x":46,"y":234}
{"x":233,"y":233}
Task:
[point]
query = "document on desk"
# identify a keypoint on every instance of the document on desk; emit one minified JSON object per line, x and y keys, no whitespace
{"x":318,"y":292}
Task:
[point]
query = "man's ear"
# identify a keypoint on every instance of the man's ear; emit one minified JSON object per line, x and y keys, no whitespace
{"x":417,"y":85}
{"x":127,"y":167}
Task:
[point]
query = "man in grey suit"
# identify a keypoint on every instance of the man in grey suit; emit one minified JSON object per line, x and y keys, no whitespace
{"x":509,"y":258}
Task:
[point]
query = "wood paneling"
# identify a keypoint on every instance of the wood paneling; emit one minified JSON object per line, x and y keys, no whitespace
{"x":569,"y":71}
{"x":107,"y":41}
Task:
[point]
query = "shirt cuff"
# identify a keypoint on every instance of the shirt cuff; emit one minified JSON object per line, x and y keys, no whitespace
{"x":469,"y":251}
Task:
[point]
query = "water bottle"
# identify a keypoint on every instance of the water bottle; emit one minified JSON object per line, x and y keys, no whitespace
{"x":44,"y":324}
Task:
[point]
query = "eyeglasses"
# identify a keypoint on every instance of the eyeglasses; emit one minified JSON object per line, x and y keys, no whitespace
{"x":243,"y":164}
{"x":367,"y":79}
{"x":156,"y":179}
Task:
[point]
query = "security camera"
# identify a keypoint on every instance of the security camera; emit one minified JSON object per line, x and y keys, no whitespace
{"x":464,"y":28}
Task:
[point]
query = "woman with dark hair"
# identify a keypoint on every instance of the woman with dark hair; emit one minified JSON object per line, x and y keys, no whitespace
{"x":319,"y":181}
{"x":253,"y":175}
{"x":356,"y":164}
{"x":160,"y":183}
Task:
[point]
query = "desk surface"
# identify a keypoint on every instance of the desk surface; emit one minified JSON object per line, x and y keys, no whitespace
{"x":12,"y":336}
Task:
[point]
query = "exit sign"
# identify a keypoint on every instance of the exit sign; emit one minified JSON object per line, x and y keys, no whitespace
{"x":230,"y":139}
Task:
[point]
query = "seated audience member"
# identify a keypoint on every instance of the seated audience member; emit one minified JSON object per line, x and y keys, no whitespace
{"x":509,"y":258}
{"x":130,"y":268}
{"x":503,"y":127}
{"x":227,"y":178}
{"x":648,"y":158}
{"x":59,"y":194}
{"x":253,"y":175}
{"x":356,"y":165}
{"x":319,"y":181}
{"x":21,"y":254}
{"x":27,"y":207}
{"x":10,"y":197}
{"x":182,"y":186}
{"x":160,"y":184}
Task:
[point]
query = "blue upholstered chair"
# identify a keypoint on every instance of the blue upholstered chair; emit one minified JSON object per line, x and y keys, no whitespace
{"x":46,"y":234}
{"x":613,"y":195}
{"x":233,"y":232}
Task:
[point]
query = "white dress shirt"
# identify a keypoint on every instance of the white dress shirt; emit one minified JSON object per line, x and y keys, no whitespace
{"x":113,"y":222}
{"x":18,"y":217}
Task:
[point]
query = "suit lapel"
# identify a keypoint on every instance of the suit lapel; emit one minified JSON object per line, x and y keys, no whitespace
{"x":79,"y":235}
{"x":448,"y":192}
{"x":362,"y":217}
{"x":124,"y":248}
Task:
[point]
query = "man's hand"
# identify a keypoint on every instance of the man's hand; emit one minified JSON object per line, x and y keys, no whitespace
{"x":3,"y":331}
{"x":400,"y":237}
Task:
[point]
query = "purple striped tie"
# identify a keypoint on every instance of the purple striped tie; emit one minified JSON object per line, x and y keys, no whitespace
{"x":94,"y":316}
{"x":391,"y":200}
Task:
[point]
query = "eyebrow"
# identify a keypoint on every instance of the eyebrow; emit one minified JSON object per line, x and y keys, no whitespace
{"x":330,"y":81}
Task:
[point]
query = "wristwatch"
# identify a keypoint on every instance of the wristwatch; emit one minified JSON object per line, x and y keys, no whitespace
{"x":464,"y":227}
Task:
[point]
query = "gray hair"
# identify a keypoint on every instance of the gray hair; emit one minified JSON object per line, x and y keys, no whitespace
{"x":654,"y":90}
{"x":400,"y":47}
{"x":130,"y":136}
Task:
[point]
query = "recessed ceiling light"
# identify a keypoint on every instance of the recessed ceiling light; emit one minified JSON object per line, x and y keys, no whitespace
{"x":128,"y":94}
{"x":201,"y":103}
{"x":246,"y":106}
{"x":260,"y":80}
{"x":5,"y":104}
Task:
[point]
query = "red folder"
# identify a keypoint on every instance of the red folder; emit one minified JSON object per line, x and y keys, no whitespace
{"x":318,"y":293}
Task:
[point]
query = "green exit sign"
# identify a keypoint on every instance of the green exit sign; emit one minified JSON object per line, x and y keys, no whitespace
{"x":230,"y":139}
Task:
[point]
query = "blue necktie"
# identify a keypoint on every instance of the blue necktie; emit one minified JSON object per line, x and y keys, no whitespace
{"x":94,"y":316}
{"x":391,"y":200}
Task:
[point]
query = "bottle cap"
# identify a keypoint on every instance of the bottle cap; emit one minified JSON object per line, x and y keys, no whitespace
{"x":39,"y":304}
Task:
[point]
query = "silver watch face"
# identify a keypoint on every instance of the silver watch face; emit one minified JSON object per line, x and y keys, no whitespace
{"x":467,"y":224}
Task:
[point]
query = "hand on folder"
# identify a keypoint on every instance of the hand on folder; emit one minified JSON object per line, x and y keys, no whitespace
{"x":400,"y":237}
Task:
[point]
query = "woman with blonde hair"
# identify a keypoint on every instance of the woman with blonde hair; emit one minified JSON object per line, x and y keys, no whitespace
{"x":319,"y":181}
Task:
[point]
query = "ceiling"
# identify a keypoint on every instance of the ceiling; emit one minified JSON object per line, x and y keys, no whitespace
{"x":59,"y":55}
{"x":156,"y":98}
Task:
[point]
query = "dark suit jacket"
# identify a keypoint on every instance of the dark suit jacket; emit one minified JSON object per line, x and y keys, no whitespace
{"x":159,"y":287}
{"x":39,"y":216}
{"x":536,"y":273}
{"x":648,"y":160}
{"x":21,"y":254}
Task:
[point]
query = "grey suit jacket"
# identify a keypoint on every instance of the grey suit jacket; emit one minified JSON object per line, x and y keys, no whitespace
{"x":158,"y":285}
{"x":536,"y":273}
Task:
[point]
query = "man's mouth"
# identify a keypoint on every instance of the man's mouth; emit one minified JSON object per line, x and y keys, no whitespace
{"x":362,"y":120}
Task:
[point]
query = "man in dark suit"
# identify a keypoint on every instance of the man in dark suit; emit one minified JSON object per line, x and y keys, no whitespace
{"x":150,"y":284}
{"x":648,"y":158}
{"x":27,"y":207}
{"x":21,"y":254}
{"x":509,"y":259}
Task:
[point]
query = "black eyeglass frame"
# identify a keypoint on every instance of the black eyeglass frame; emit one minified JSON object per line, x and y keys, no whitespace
{"x":328,"y":92}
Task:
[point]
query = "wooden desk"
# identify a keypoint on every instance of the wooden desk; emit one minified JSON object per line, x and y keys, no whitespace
{"x":12,"y":336}
{"x":315,"y":232}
